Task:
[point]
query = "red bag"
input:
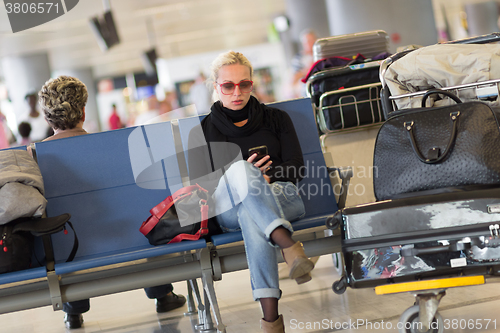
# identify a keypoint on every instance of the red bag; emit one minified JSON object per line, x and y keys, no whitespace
{"x":190,"y":203}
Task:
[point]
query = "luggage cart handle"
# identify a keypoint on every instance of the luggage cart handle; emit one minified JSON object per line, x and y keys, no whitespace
{"x":454,"y":247}
{"x":483,"y":39}
{"x":387,"y":62}
{"x":411,"y":252}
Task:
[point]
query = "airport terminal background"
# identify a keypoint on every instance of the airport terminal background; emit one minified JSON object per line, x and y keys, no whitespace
{"x":186,"y":36}
{"x":186,"y":40}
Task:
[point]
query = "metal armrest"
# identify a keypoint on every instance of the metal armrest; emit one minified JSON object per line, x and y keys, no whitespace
{"x":344,"y":173}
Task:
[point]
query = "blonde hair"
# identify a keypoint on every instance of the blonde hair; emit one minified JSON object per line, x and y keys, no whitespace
{"x":224,"y":59}
{"x":62,"y":100}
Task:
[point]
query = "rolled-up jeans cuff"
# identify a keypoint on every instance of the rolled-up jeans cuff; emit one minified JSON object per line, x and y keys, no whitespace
{"x":266,"y":293}
{"x":273,"y":225}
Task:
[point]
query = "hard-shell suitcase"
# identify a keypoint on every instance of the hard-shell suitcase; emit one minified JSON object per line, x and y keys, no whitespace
{"x":368,"y":43}
{"x":416,"y":238}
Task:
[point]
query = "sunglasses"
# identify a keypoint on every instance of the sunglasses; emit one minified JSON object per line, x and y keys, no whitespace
{"x":227,"y":88}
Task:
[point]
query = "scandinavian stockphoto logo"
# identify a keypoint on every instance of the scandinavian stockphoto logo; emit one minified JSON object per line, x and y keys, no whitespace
{"x":155,"y":161}
{"x":26,"y":14}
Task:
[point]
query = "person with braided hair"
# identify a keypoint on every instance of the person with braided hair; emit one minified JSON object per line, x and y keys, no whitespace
{"x":63,"y":101}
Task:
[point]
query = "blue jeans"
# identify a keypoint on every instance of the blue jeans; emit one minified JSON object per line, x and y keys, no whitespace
{"x":245,"y":201}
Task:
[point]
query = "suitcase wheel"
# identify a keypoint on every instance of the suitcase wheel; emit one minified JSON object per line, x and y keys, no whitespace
{"x":339,"y":287}
{"x":332,"y":223}
{"x":410,"y":322}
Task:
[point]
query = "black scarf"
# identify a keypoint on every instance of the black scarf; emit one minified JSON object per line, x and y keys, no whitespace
{"x":235,"y":115}
{"x":223,"y":119}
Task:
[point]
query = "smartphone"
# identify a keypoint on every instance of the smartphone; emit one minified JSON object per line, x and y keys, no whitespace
{"x":261,"y":152}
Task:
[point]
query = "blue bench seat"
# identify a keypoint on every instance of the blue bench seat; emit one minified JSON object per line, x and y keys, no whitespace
{"x":24,"y":275}
{"x":118,"y":257}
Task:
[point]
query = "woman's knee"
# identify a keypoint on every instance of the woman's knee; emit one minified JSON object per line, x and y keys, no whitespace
{"x":242,"y":169}
{"x":241,"y":176}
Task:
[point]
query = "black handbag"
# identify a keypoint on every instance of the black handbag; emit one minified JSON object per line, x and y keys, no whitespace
{"x":436,"y":148}
{"x":190,"y":203}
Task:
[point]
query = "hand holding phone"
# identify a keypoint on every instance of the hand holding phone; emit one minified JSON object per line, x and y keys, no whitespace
{"x":262,"y":160}
{"x":261,"y":151}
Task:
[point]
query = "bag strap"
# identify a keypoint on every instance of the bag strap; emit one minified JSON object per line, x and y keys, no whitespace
{"x":49,"y":249}
{"x":442,"y":92}
{"x":203,"y":228}
{"x":159,"y":210}
{"x":75,"y":242}
{"x":434,"y":156}
{"x":41,"y":226}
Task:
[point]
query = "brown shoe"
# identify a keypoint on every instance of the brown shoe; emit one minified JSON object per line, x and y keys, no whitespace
{"x":298,"y":263}
{"x":304,"y":278}
{"x":276,"y":326}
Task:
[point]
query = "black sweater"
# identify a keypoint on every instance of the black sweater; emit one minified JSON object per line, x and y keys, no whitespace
{"x":281,"y":141}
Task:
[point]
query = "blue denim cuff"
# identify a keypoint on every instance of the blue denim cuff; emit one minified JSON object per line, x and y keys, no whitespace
{"x":266,"y":293}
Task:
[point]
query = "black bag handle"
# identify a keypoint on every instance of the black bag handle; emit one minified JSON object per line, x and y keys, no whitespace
{"x":409,"y":128}
{"x":483,"y":39}
{"x":442,"y":92}
{"x":44,"y":227}
{"x":39,"y":226}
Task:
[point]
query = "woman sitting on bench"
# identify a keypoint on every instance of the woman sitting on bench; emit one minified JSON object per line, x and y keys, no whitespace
{"x":256,"y":195}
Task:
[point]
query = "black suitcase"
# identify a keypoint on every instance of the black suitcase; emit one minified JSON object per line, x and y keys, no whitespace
{"x":417,"y":238}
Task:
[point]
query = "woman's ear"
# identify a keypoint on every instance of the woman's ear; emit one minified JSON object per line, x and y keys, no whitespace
{"x":83,"y":111}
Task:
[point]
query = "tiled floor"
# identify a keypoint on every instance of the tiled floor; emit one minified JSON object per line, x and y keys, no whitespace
{"x":311,"y":307}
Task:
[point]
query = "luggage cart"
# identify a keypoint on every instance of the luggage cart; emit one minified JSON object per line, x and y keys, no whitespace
{"x":424,"y":315}
{"x":410,"y":259}
{"x":423,"y":243}
{"x":346,"y":90}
